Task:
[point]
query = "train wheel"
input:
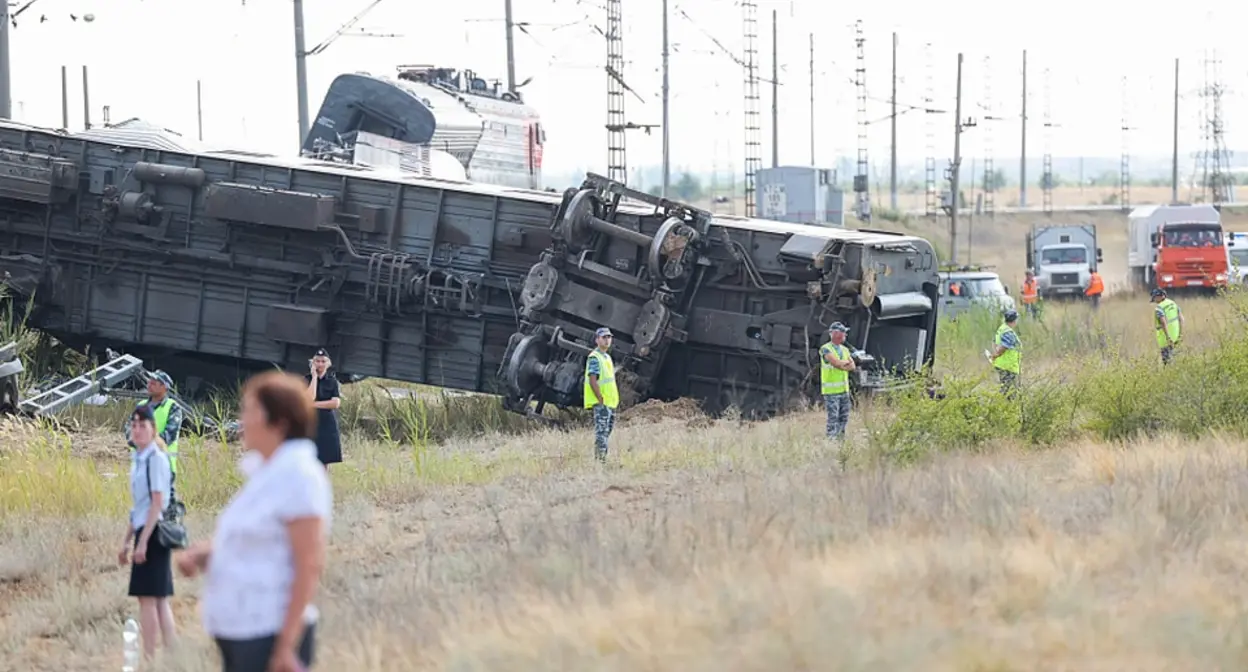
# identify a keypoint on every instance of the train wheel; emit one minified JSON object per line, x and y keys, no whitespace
{"x":9,"y":398}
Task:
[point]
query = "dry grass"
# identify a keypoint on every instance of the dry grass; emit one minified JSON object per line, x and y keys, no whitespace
{"x":720,"y":547}
{"x":717,"y":545}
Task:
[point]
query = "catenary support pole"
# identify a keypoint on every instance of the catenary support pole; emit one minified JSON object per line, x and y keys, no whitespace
{"x":64,"y":96}
{"x":86,"y":99}
{"x":6,"y":93}
{"x":511,"y":44}
{"x":1022,"y":157}
{"x":775,"y":93}
{"x":954,"y":176}
{"x":1174,"y":159}
{"x":301,"y":73}
{"x":199,"y":107}
{"x":667,"y":137}
{"x":892,"y":163}
{"x":812,"y":99}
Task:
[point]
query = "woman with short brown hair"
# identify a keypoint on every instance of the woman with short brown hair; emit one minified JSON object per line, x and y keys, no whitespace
{"x":264,"y":561}
{"x":151,"y":567}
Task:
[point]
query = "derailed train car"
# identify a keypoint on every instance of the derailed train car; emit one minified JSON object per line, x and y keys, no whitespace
{"x":728,"y":310}
{"x":213,"y":265}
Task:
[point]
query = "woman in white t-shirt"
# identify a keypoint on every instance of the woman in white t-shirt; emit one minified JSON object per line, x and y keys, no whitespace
{"x":151,"y":563}
{"x":264,"y":562}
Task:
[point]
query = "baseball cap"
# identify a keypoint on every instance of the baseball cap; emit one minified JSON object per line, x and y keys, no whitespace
{"x":1157,"y":291}
{"x":163,"y":378}
{"x":1010,"y":315}
{"x":838,"y":326}
{"x":143,"y":412}
{"x":322,"y":352}
{"x":602,"y":331}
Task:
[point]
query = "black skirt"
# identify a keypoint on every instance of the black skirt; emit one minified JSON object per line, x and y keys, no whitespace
{"x":328,"y":441}
{"x":153,"y":578}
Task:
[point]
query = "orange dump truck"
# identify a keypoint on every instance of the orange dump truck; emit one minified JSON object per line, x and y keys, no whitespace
{"x":1176,"y":247}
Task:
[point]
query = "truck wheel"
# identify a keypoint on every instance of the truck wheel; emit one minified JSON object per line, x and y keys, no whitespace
{"x":9,"y":398}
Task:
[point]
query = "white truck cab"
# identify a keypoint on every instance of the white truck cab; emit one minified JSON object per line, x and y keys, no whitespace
{"x":1063,"y":258}
{"x":962,"y":289}
{"x":1237,"y":257}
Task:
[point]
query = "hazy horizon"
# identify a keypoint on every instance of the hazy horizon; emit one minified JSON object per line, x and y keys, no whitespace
{"x":1097,"y":65}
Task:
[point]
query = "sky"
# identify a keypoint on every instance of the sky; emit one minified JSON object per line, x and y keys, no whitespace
{"x":145,"y":57}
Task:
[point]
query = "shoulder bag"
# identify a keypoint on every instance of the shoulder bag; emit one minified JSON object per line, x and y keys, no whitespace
{"x":170,"y":532}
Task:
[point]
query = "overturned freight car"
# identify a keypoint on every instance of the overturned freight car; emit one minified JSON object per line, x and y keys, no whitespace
{"x":213,"y":265}
{"x":727,"y":310}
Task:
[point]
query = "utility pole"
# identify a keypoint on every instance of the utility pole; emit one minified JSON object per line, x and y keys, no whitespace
{"x":1174,"y":160}
{"x":987,"y":138}
{"x":954,"y":166}
{"x":1124,"y":176}
{"x":931,"y":200}
{"x":6,"y":93}
{"x":667,"y":147}
{"x":812,"y":99}
{"x":775,"y":94}
{"x":1046,"y":175}
{"x":863,"y":200}
{"x":753,"y":143}
{"x":617,"y":165}
{"x":301,"y":72}
{"x":302,"y":53}
{"x":1022,"y":161}
{"x":617,"y":160}
{"x":511,"y":46}
{"x":86,"y":99}
{"x":64,"y":96}
{"x":1217,"y":168}
{"x":892,"y":163}
{"x":199,"y":107}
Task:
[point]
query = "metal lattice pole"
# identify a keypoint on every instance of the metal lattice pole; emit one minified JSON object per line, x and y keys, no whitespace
{"x":1217,"y":159}
{"x":617,"y":162}
{"x":753,"y":130}
{"x":863,"y":205}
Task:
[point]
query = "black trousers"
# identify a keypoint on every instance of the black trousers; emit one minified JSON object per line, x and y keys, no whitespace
{"x":252,"y":655}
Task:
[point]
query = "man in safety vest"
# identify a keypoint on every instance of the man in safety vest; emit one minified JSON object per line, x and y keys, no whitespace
{"x":1006,"y":353}
{"x":835,"y":363}
{"x":1168,"y":321}
{"x":1031,"y":294}
{"x":168,"y":417}
{"x":1096,"y":287}
{"x":601,"y":392}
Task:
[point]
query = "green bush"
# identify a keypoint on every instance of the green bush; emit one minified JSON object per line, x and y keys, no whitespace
{"x":971,"y":413}
{"x":1094,"y":392}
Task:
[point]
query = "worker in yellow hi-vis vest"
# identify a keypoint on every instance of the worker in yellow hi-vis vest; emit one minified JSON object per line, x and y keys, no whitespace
{"x":1006,"y":355}
{"x":601,"y":392}
{"x":168,"y":416}
{"x":1168,"y":322}
{"x":835,"y":362}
